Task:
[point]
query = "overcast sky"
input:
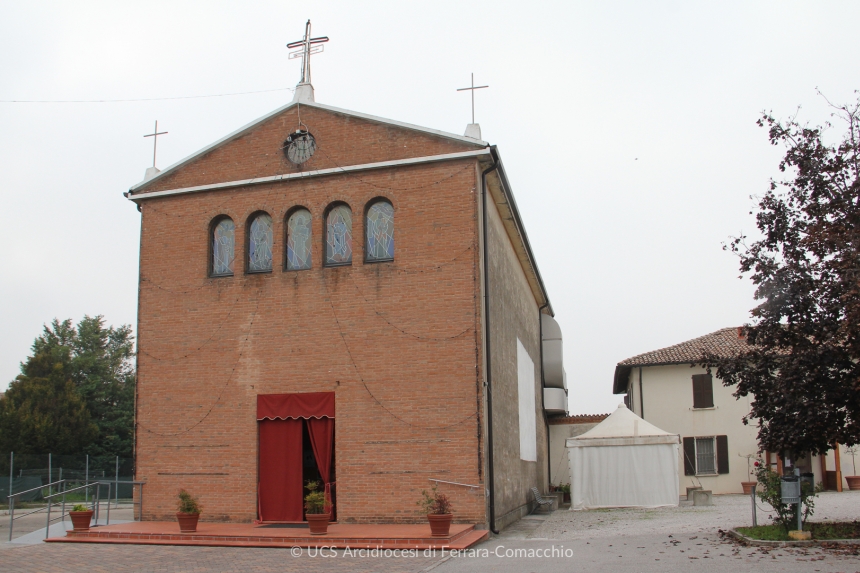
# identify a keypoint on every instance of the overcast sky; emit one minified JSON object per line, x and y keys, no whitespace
{"x":627,"y":129}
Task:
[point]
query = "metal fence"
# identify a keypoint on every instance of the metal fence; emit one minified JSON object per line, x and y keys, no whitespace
{"x":65,"y":489}
{"x":21,"y":472}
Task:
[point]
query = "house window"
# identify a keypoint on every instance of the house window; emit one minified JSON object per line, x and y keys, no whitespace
{"x":260,"y":244}
{"x":703,"y":391}
{"x":708,"y":455}
{"x":299,"y":240}
{"x":223,"y":241}
{"x":706,"y":459}
{"x":338,"y":236}
{"x":379,"y":232}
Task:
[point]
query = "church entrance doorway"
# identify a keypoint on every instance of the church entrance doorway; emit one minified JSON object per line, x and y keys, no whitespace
{"x":296,"y":445}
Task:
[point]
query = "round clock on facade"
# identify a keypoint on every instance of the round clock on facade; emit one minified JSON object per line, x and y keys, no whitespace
{"x":300,"y":146}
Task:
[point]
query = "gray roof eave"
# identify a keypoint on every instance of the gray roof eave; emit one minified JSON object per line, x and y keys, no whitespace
{"x":521,"y":229}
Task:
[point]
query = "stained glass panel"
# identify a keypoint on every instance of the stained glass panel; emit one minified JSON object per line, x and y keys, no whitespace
{"x":338,"y":236}
{"x":299,"y":241}
{"x":380,"y":231}
{"x":260,"y":244}
{"x":223,"y":241}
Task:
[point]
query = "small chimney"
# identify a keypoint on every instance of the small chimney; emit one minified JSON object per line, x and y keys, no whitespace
{"x":473,"y":130}
{"x":151,"y":172}
{"x":741,"y":332}
{"x":304,"y":94}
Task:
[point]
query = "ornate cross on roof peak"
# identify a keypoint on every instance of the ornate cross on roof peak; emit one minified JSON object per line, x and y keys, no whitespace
{"x":308,"y":46}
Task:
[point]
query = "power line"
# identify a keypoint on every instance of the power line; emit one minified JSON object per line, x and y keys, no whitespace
{"x":138,"y":99}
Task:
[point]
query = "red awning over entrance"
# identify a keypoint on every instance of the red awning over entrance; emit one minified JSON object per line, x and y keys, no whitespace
{"x":295,"y":406}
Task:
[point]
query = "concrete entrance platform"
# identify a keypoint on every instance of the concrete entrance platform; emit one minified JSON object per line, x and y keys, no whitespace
{"x":386,"y":536}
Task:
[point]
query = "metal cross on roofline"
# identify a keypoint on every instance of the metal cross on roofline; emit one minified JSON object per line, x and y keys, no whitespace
{"x":472,"y":89}
{"x":309,"y":46}
{"x":154,"y":135}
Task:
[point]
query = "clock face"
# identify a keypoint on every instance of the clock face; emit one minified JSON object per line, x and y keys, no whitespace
{"x":300,"y":146}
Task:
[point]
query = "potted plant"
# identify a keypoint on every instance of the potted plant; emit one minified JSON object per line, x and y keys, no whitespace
{"x":188,"y":512}
{"x":315,"y":509}
{"x":749,"y":485}
{"x":853,"y":481}
{"x":437,"y":506}
{"x":81,"y":517}
{"x":565,"y":489}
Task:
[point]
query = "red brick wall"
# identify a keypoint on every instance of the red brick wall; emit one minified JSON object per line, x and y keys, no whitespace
{"x":342,"y":140}
{"x":208,"y":346}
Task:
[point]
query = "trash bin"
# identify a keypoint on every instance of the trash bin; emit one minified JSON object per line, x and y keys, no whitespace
{"x":790,"y":489}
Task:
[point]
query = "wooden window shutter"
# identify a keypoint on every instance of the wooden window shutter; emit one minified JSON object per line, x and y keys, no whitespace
{"x":722,"y":455}
{"x":689,"y":456}
{"x":703,"y":391}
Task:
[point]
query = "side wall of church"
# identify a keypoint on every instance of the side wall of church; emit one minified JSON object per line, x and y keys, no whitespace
{"x":395,"y":341}
{"x":513,"y":316}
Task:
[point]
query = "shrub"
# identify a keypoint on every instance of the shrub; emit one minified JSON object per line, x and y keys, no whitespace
{"x":433,"y":502}
{"x":770,"y":491}
{"x":188,"y":503}
{"x":315,"y":501}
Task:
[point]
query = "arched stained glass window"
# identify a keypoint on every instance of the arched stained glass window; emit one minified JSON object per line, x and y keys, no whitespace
{"x":379,"y":229}
{"x":338,"y":236}
{"x":223,"y":241}
{"x":299,"y":240}
{"x":260,"y":244}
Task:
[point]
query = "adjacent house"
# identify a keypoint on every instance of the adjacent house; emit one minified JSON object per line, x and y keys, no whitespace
{"x":668,"y":388}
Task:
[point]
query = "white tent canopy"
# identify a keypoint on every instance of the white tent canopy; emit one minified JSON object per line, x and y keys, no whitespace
{"x":623,"y":462}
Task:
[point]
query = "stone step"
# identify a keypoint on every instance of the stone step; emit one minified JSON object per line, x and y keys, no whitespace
{"x":353,"y":536}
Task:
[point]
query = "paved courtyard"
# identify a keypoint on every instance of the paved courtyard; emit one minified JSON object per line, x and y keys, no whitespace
{"x":673,"y":539}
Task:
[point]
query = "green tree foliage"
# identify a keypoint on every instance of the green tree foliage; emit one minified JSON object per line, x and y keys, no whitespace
{"x":803,"y":363}
{"x":42,"y":410}
{"x":99,"y":363}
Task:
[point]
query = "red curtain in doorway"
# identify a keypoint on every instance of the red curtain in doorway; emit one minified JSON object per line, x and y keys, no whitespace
{"x":321,"y":432}
{"x":281,"y":470}
{"x":280,"y":418}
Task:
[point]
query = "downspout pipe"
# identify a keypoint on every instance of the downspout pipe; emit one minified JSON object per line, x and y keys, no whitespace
{"x":491,"y":474}
{"x":542,"y":397}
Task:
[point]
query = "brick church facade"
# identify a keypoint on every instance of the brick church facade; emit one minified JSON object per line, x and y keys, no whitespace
{"x":319,"y":312}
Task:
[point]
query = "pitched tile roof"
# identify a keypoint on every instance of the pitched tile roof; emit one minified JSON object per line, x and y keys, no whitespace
{"x":724,"y":342}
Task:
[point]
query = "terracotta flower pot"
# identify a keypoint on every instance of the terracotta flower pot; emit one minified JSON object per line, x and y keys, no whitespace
{"x":318,"y":523}
{"x":187,"y":522}
{"x":440,"y":523}
{"x":81,"y":519}
{"x":853,"y":482}
{"x":748,"y":486}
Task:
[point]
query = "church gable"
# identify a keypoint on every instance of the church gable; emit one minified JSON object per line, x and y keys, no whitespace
{"x":342,"y":139}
